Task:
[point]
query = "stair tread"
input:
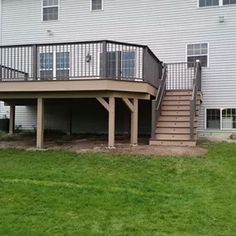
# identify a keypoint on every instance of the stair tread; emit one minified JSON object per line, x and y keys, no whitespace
{"x":172,"y":143}
{"x":173,"y":125}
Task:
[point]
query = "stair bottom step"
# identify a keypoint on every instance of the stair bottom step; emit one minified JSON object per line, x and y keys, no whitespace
{"x":174,"y":137}
{"x":179,"y":143}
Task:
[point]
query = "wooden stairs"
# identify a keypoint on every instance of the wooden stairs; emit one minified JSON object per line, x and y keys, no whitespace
{"x":173,"y":125}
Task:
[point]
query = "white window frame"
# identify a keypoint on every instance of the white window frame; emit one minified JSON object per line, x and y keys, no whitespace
{"x":136,"y":69}
{"x":208,"y":52}
{"x":91,"y":3}
{"x":221,"y":4}
{"x":221,"y":118}
{"x":59,"y":10}
{"x":54,"y":65}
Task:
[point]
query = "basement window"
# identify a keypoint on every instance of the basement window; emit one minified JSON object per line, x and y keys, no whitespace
{"x":227,"y":2}
{"x":96,"y":5}
{"x":198,"y":52}
{"x":224,"y":119}
{"x":228,"y":118}
{"x":50,"y":10}
{"x":213,"y":118}
{"x":207,"y":3}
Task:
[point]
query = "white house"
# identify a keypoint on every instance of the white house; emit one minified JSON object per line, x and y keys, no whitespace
{"x":174,"y":30}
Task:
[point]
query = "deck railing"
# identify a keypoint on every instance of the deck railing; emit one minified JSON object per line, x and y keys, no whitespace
{"x":80,"y":60}
{"x":193,"y":102}
{"x":180,"y":76}
{"x":156,"y":104}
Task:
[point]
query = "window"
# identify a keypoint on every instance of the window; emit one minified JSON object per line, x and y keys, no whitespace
{"x":50,"y":10}
{"x":228,"y":118}
{"x":221,"y":118}
{"x":213,"y":118}
{"x":206,"y":3}
{"x":128,"y":64}
{"x":62,"y":65}
{"x":96,"y":5}
{"x":54,"y":65}
{"x":198,"y":52}
{"x":120,"y":64}
{"x":46,"y":66}
{"x":227,"y":2}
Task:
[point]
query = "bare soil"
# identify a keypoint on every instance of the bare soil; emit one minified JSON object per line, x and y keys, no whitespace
{"x":84,"y":144}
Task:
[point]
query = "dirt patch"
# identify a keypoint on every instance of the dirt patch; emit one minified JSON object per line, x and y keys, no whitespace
{"x":98,"y":144}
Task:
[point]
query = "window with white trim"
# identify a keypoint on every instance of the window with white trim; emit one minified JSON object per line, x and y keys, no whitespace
{"x":46,"y":66}
{"x":229,"y":118}
{"x":224,"y":119}
{"x":96,"y":5}
{"x":50,"y":10}
{"x":55,"y":65}
{"x":198,"y":52}
{"x":128,"y":64}
{"x":227,"y":2}
{"x":213,"y":119}
{"x":120,"y":64}
{"x":208,"y":3}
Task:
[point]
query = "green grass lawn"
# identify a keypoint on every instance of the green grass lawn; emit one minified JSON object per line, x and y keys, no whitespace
{"x":61,"y":193}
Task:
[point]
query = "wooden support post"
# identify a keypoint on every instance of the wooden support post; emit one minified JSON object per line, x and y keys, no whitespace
{"x":133,"y":107}
{"x":134,"y":124}
{"x":111,"y":124}
{"x":12,"y":120}
{"x":40,"y":123}
{"x":110,"y":107}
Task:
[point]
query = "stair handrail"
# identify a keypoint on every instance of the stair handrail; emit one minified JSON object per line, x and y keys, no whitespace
{"x":193,"y":101}
{"x":156,"y":103}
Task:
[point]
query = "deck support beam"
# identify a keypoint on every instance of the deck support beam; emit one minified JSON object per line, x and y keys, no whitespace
{"x":110,"y":107}
{"x":133,"y":107}
{"x":12,"y":120}
{"x":40,"y":123}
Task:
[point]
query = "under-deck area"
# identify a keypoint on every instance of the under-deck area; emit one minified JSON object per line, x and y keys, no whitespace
{"x":104,"y":106}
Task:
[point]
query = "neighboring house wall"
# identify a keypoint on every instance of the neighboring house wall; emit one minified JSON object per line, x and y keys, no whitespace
{"x":167,"y":26}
